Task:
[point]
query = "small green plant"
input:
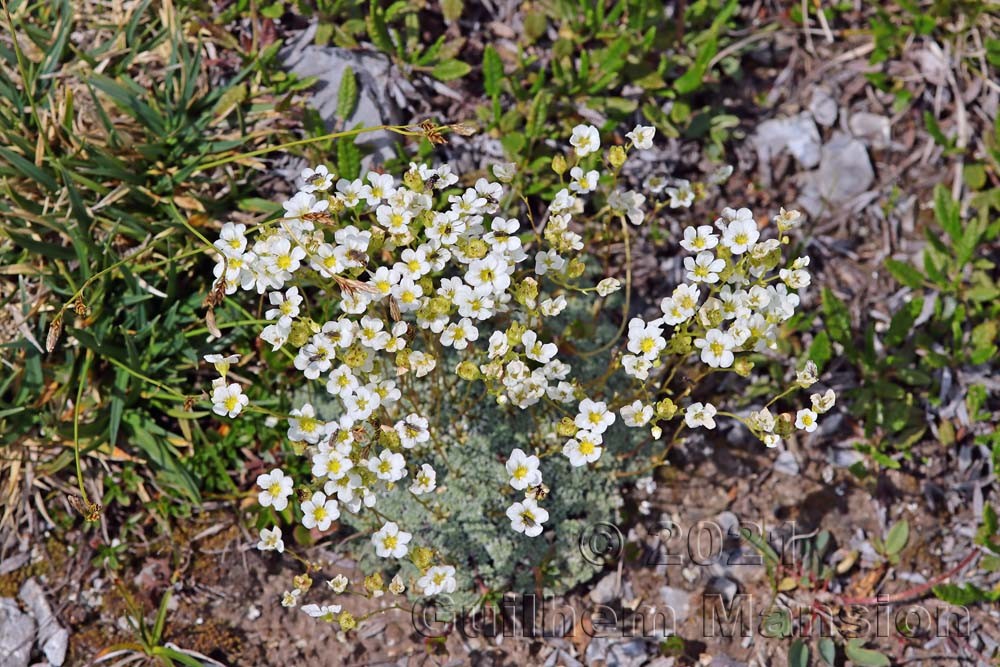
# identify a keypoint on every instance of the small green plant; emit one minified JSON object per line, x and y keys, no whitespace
{"x":950,"y":321}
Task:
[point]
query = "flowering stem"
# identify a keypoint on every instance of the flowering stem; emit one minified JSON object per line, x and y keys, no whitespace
{"x":398,"y":129}
{"x":628,"y":297}
{"x":76,"y":425}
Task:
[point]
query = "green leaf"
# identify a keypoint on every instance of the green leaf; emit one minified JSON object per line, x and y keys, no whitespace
{"x":450,"y":69}
{"x":348,"y":158}
{"x":798,"y":654}
{"x":827,"y":651}
{"x":492,"y":71}
{"x":452,"y":9}
{"x":864,"y":657}
{"x":897,"y":538}
{"x":29,"y":169}
{"x":117,"y":404}
{"x":836,"y":318}
{"x":821,"y":351}
{"x":905,"y":273}
{"x":963,"y":596}
{"x":947,"y":213}
{"x":347,"y":94}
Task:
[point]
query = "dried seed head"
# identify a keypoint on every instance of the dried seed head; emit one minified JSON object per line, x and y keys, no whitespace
{"x":55,"y":329}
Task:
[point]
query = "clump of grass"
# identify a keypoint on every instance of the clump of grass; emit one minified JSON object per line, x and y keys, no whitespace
{"x":109,"y":114}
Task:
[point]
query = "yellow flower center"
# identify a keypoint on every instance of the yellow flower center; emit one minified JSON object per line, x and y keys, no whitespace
{"x":520,"y":471}
{"x":586,"y":447}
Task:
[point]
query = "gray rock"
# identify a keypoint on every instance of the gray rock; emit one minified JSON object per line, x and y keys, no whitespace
{"x":606,"y":590}
{"x":845,"y":172}
{"x":798,"y":135}
{"x":871,"y":128}
{"x":381,"y":94}
{"x":677,"y":600}
{"x":823,"y":107}
{"x":17,"y":634}
{"x":52,"y":637}
{"x":786,"y":463}
{"x":560,"y":658}
{"x":630,"y":653}
{"x":723,"y":586}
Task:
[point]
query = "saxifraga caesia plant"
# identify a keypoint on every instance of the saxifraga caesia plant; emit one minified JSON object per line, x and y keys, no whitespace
{"x":390,"y":294}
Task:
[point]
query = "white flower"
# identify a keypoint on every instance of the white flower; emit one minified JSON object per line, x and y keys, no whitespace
{"x":594,"y":416}
{"x":527,"y":517}
{"x":681,"y":195}
{"x":396,"y":586}
{"x":698,"y":414}
{"x":222,"y":363}
{"x":438,"y":579}
{"x":523,"y":470}
{"x":629,"y":204}
{"x":326,"y":612}
{"x":390,"y":541}
{"x":761,"y":420}
{"x":704,"y":268}
{"x":805,"y":419}
{"x":740,"y":235}
{"x":807,"y":376}
{"x":424,"y":481}
{"x":458,"y":334}
{"x":388,"y":465}
{"x":319,"y":511}
{"x":608,"y":286}
{"x":645,"y":339}
{"x":583,"y":449}
{"x":505,"y":171}
{"x":641,"y":137}
{"x":303,"y":425}
{"x":338,"y":584}
{"x":319,"y":178}
{"x":548,"y":260}
{"x":270,"y":540}
{"x":787,"y":219}
{"x":583,"y":182}
{"x":228,"y":400}
{"x":552,"y":307}
{"x":536,"y":350}
{"x":291,"y":598}
{"x":585,"y":139}
{"x":636,"y":415}
{"x":286,"y":306}
{"x":823,"y":402}
{"x":276,"y":489}
{"x":716,"y":348}
{"x":697,"y":239}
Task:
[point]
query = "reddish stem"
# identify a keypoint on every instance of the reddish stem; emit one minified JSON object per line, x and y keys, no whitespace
{"x":916,"y":590}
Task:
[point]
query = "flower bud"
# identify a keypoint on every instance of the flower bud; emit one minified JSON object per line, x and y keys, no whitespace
{"x":412,"y":180}
{"x":575,"y":268}
{"x":559,"y":164}
{"x":742,"y":366}
{"x":666,"y":409}
{"x":468,"y":371}
{"x":347,"y":621}
{"x":374,"y":584}
{"x":356,"y":356}
{"x":616,"y":156}
{"x":526,"y":292}
{"x":421,"y":557}
{"x":303,"y":582}
{"x":566,"y":427}
{"x":477,"y":248}
{"x":300,"y":333}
